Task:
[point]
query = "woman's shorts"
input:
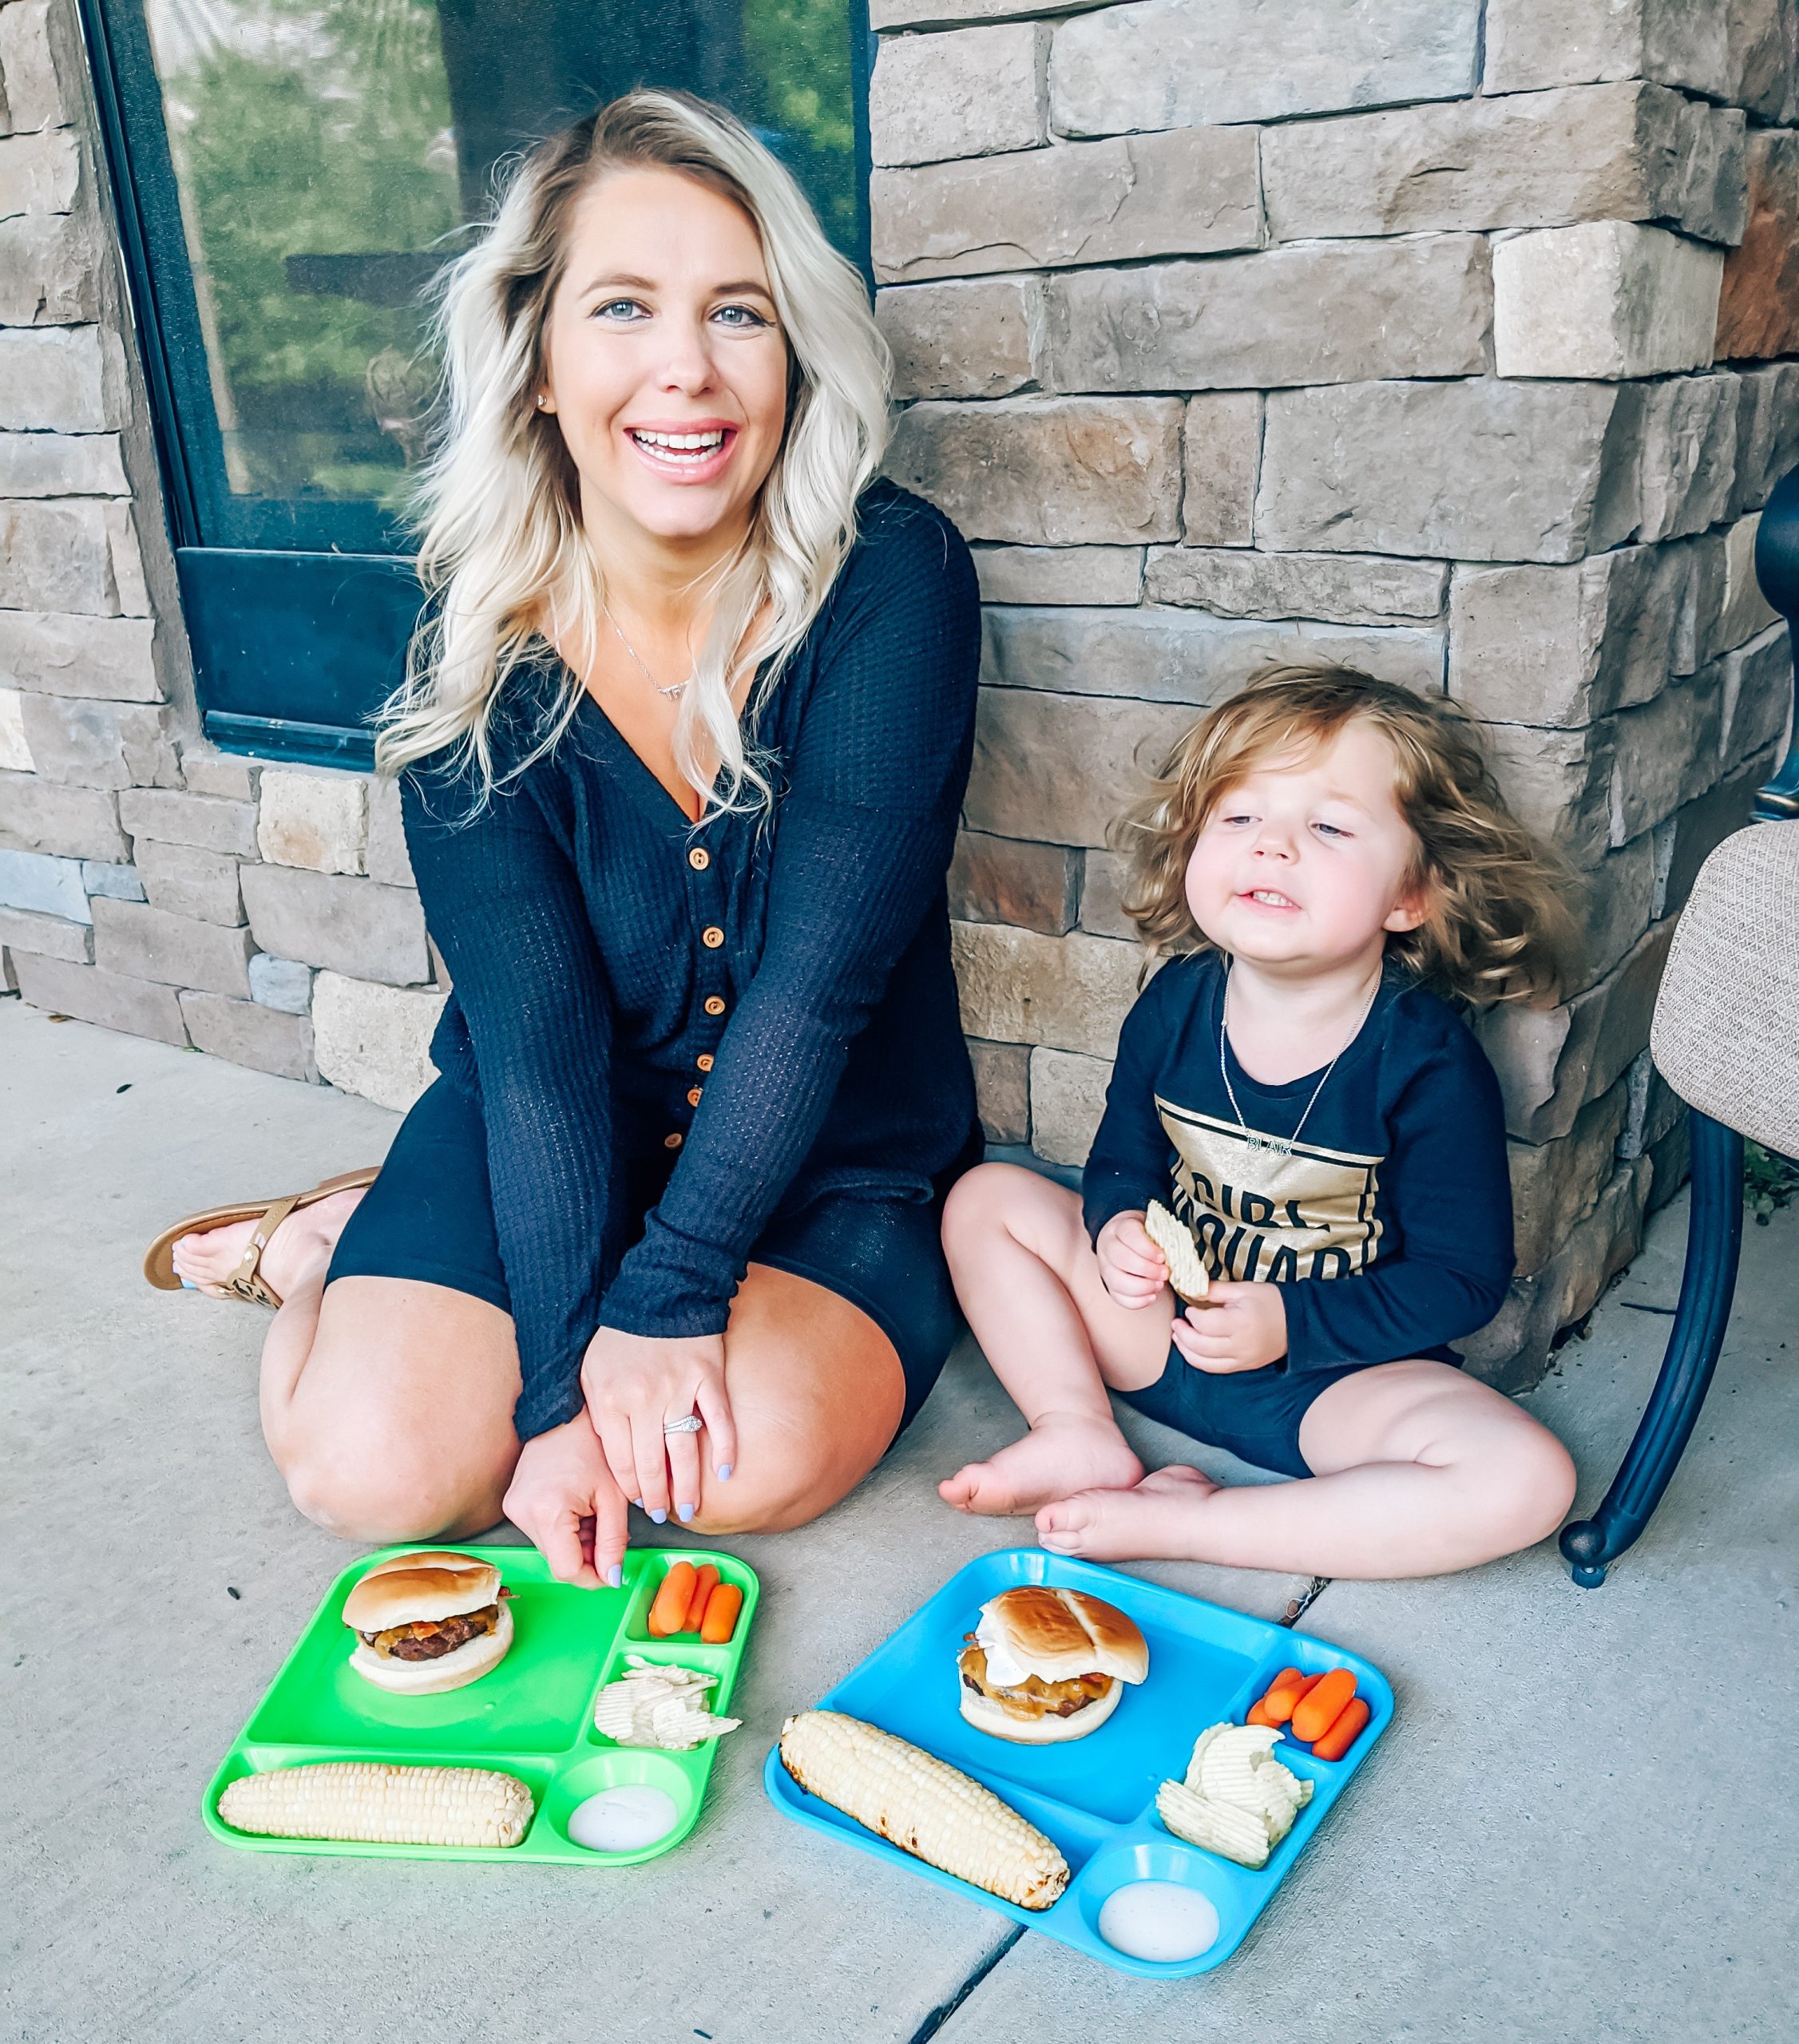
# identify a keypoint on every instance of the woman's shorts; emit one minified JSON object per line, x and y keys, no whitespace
{"x":1254,"y":1413}
{"x":430,"y":1217}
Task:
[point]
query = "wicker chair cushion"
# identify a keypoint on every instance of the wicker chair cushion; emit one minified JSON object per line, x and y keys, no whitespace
{"x":1726,"y":1031}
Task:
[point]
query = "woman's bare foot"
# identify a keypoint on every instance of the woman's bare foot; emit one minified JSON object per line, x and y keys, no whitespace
{"x":1155,"y":1521}
{"x":299,"y":1249}
{"x":1064,"y":1452}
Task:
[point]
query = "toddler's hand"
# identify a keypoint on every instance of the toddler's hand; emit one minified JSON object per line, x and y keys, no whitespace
{"x":1130,"y":1264}
{"x":1241,"y":1327}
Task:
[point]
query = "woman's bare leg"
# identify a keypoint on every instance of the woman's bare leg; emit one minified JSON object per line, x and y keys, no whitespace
{"x":1030,"y":1283}
{"x":387,"y":1405}
{"x":818,"y":1393}
{"x":1420,"y":1470}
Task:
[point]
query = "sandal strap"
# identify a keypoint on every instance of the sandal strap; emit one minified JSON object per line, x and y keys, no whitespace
{"x":247,"y":1281}
{"x":251,"y":1292}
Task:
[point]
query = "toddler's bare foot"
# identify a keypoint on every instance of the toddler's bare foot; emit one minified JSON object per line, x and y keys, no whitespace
{"x":1064,"y":1452}
{"x":1155,"y":1521}
{"x":299,"y":1249}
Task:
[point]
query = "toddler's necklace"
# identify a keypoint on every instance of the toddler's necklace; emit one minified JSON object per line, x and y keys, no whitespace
{"x":669,"y":688}
{"x":1254,"y":1137}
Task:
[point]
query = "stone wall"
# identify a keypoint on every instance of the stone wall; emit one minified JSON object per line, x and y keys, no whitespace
{"x":148,"y":883}
{"x":1438,"y":337}
{"x":1427,"y":336}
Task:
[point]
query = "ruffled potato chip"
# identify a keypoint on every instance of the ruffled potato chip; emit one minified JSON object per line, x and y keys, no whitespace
{"x":1228,"y":1753}
{"x":1215,"y":1827}
{"x":1237,"y":1799}
{"x":653,"y":1704}
{"x":1187,"y":1275}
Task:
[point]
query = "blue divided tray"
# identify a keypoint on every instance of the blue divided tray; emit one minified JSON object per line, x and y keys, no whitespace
{"x":1095,"y":1797}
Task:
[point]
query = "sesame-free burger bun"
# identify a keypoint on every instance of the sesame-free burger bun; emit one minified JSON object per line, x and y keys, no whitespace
{"x":467,"y":1663}
{"x":986,"y":1715}
{"x":414,"y":1589}
{"x":1060,"y":1634}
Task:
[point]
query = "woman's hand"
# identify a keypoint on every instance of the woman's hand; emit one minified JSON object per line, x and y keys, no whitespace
{"x":1134,"y":1269}
{"x":563,"y":1496}
{"x":635,"y":1384}
{"x":1240,"y":1327}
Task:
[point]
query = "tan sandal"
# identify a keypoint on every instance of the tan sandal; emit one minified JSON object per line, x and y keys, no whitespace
{"x":247,"y":1281}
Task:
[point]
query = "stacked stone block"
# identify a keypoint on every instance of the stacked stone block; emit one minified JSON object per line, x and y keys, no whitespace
{"x":1439,"y":340}
{"x":147,"y":882}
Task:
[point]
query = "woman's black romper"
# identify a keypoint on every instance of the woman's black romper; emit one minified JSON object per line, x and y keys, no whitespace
{"x":671,"y":1048}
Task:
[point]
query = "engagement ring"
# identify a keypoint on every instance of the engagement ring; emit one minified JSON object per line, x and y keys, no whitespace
{"x":690,"y":1424}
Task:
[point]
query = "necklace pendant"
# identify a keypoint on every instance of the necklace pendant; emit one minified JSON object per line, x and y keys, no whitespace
{"x":672,"y":688}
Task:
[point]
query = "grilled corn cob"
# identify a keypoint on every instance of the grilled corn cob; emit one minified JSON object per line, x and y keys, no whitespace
{"x":392,"y":1806}
{"x":925,"y":1806}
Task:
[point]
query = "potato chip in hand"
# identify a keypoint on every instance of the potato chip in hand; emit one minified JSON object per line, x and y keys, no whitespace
{"x":1186,"y":1273}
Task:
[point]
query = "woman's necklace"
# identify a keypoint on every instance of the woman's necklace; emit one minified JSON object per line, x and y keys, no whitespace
{"x":661,"y":688}
{"x":1254,"y":1137}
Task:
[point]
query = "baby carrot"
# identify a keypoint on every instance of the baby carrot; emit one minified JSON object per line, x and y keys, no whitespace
{"x":722,"y":1608}
{"x":1283,"y":1698}
{"x":1280,"y":1682}
{"x":1344,"y":1733}
{"x":672,"y":1601}
{"x":703,"y":1589}
{"x":1318,"y":1709}
{"x":1257,"y":1714}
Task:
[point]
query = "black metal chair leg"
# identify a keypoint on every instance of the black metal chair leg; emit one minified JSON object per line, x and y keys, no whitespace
{"x":1714,"y":1241}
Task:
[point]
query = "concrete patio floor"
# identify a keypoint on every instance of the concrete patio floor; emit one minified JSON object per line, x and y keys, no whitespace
{"x":1579,"y":1825}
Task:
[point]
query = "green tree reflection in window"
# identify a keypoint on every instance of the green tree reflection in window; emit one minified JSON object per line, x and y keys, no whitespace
{"x":315,"y":149}
{"x":302,"y":131}
{"x":799,"y":59}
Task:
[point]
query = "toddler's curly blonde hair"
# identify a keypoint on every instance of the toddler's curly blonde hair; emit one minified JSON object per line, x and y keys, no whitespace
{"x":1497,"y":925}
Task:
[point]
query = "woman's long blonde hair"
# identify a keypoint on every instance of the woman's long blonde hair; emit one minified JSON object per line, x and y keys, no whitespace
{"x":502,"y":549}
{"x":1497,"y":924}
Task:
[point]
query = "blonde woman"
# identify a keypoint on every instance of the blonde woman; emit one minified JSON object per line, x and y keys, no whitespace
{"x":681,"y":752}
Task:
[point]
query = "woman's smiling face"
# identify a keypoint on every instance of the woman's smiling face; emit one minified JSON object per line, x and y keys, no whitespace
{"x":665,"y":365}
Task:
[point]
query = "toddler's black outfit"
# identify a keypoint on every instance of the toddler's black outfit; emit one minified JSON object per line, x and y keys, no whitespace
{"x":1387,"y":1225}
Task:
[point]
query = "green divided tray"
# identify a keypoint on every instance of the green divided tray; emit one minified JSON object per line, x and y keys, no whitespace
{"x":531,"y":1717}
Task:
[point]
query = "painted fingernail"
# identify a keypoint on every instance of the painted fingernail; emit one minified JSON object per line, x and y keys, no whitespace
{"x":615,"y":1575}
{"x":661,"y":1517}
{"x":188,"y":1284}
{"x":638,"y":1502}
{"x":724,"y":1473}
{"x":687,"y":1511}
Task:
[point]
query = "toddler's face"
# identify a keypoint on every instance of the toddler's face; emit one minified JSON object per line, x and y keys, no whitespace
{"x":1303,"y":863}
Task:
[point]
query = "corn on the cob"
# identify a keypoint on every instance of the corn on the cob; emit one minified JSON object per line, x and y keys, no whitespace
{"x":371,"y":1801}
{"x":925,"y":1806}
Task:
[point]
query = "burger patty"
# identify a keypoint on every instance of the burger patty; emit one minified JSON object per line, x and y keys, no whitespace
{"x":430,"y":1640}
{"x":1033,"y":1698}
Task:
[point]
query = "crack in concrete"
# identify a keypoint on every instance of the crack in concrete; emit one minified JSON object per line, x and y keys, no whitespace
{"x":941,"y":2014}
{"x":1299,"y":1606}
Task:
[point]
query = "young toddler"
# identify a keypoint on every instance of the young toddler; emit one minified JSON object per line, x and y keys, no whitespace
{"x":1326,"y":865}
